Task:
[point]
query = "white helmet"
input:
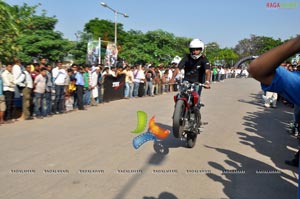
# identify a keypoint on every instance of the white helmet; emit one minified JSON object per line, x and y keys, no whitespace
{"x":196,"y":44}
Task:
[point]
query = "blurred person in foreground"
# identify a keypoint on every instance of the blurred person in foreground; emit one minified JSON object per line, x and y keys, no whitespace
{"x":266,"y":69}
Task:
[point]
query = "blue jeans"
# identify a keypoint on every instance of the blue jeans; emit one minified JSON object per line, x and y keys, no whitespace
{"x":130,"y":89}
{"x":126,"y":89}
{"x":59,"y":98}
{"x":39,"y":104}
{"x":136,"y":89}
{"x":148,"y":89}
{"x":87,"y":97}
{"x":198,"y":89}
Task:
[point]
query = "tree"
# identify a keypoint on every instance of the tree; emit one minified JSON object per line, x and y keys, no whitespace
{"x":79,"y":49}
{"x":152,"y":47}
{"x":228,"y":55}
{"x":9,"y":33}
{"x":266,"y":44}
{"x":211,"y":51}
{"x":104,"y":29}
{"x":42,"y":41}
{"x":28,"y":35}
{"x":256,"y":45}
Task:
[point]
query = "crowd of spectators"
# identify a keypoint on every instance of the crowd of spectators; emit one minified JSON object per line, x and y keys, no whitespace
{"x":44,"y":90}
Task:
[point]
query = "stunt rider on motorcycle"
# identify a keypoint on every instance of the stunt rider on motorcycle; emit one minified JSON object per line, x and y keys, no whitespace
{"x":196,"y":66}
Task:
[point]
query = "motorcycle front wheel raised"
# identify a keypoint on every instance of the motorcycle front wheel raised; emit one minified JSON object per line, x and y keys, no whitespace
{"x":178,"y":119}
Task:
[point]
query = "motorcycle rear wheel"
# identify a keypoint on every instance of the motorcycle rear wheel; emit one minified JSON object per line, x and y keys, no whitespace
{"x":191,"y":139}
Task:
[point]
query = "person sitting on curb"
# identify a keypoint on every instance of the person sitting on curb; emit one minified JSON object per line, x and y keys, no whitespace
{"x":266,"y":69}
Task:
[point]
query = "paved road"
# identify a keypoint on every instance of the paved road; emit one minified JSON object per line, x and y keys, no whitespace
{"x":89,"y":154}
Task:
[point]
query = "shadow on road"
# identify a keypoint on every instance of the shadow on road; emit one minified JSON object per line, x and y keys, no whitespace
{"x":154,"y":159}
{"x":163,"y":146}
{"x":256,"y":99}
{"x":248,"y":178}
{"x":163,"y":195}
{"x":266,"y":132}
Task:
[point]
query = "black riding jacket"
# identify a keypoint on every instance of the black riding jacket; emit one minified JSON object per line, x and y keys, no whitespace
{"x":194,"y":70}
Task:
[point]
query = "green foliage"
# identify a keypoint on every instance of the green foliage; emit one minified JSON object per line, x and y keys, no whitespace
{"x":27,"y":35}
{"x":9,"y":33}
{"x":79,"y":49}
{"x":40,"y":40}
{"x":104,"y":29}
{"x":217,"y":56}
{"x":153,"y":47}
{"x":42,"y":43}
{"x":256,"y":45}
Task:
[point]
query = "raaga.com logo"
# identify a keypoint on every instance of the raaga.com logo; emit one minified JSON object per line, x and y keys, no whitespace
{"x":282,"y":5}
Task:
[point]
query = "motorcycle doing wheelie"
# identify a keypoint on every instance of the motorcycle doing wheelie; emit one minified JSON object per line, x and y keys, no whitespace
{"x":187,"y":116}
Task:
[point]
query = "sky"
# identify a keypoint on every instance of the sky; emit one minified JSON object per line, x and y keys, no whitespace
{"x":223,"y":21}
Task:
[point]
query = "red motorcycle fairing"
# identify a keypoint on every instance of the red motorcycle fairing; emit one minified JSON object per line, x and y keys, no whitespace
{"x":187,"y":106}
{"x":195,"y":97}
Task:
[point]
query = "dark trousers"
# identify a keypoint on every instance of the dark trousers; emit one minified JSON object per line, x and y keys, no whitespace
{"x":141,"y":91}
{"x":79,"y":93}
{"x":100,"y":93}
{"x":9,"y":97}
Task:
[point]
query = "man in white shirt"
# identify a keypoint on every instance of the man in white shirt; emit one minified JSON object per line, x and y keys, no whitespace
{"x":139,"y":82}
{"x":19,"y":77}
{"x":59,"y":75}
{"x":8,"y":91}
{"x":141,"y":76}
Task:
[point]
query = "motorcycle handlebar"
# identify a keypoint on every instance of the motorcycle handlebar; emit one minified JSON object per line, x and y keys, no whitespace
{"x":199,"y":84}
